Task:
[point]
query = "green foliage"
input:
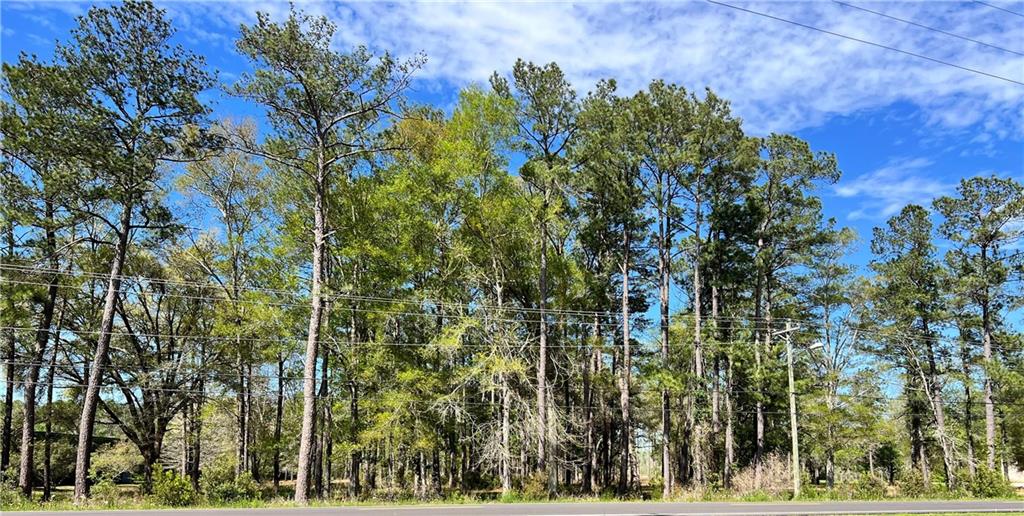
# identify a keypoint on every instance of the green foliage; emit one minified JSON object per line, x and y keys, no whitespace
{"x":535,"y":487}
{"x":10,"y":495}
{"x":113,"y":460}
{"x":105,"y":493}
{"x":911,"y":484}
{"x":220,"y":484}
{"x":171,"y":489}
{"x":433,"y":249}
{"x":390,"y":495}
{"x":987,"y":483}
{"x":869,"y":486}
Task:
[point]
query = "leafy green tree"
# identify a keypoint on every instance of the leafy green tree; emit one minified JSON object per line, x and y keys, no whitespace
{"x":788,"y":225}
{"x":715,"y":148}
{"x":664,"y":118}
{"x":910,"y":295}
{"x":545,"y":113}
{"x":325,"y":108}
{"x":234,"y":186}
{"x":612,"y":199}
{"x":137,"y":104}
{"x":156,"y":356}
{"x":837,"y":299}
{"x":982,"y":221}
{"x":38,"y":129}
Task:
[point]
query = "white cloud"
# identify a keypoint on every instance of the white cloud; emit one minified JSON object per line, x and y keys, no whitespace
{"x":885,"y":191}
{"x":780,"y":77}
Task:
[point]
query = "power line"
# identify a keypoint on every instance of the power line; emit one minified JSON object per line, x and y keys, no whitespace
{"x":436,"y":403}
{"x":751,"y":323}
{"x":139,"y":280}
{"x":866,"y":42}
{"x":226,"y":378}
{"x":1015,"y":13}
{"x":933,"y":29}
{"x":291,"y":293}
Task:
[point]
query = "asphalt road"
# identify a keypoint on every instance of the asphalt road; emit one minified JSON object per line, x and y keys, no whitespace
{"x":596,"y":509}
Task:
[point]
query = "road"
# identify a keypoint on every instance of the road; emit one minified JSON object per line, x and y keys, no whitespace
{"x":595,"y":509}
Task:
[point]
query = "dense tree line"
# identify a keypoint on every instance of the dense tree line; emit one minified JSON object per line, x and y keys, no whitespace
{"x":535,"y":290}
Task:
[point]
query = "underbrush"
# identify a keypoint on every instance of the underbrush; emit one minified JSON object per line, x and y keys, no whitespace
{"x":173,"y":491}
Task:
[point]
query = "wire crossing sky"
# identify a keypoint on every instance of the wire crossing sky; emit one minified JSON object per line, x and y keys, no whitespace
{"x":904,"y":129}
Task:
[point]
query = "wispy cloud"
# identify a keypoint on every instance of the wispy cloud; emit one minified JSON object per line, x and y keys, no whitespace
{"x":885,"y":191}
{"x":780,"y":77}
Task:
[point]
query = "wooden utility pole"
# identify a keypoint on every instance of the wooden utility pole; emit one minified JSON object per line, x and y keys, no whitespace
{"x":794,"y":438}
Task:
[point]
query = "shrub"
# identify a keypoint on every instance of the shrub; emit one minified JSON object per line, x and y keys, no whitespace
{"x":775,"y":477}
{"x":230,"y":489}
{"x":911,"y":484}
{"x":988,"y":483}
{"x":389,"y":495}
{"x":10,"y":495}
{"x":109,"y":462}
{"x":105,"y":493}
{"x":220,"y":484}
{"x":171,"y":489}
{"x":867,"y":486}
{"x":535,"y":486}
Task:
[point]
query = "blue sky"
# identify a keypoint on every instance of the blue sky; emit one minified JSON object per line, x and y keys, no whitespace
{"x":904,"y":129}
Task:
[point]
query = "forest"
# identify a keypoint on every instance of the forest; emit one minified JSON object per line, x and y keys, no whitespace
{"x":532,"y":292}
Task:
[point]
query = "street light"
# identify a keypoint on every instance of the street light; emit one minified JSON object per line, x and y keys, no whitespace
{"x":786,"y":334}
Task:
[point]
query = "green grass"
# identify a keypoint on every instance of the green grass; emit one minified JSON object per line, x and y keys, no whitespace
{"x":128,"y":498}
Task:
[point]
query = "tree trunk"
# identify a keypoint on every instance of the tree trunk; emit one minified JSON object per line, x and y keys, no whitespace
{"x":8,"y":431}
{"x":589,"y":371}
{"x":542,"y":359}
{"x":730,"y":450}
{"x":48,"y":444}
{"x":420,"y":476}
{"x":664,"y":281}
{"x":1004,"y":457}
{"x":938,"y":411}
{"x":965,"y":364}
{"x":986,"y":339}
{"x":278,"y":417}
{"x":606,"y":448}
{"x":87,"y":420}
{"x":25,"y":476}
{"x":6,"y":434}
{"x":758,"y":373}
{"x":506,"y":406}
{"x":435,"y":472}
{"x":830,"y":455}
{"x":196,"y":433}
{"x":697,"y":442}
{"x":323,"y":479}
{"x":151,"y":458}
{"x":919,"y":453}
{"x":313,"y":337}
{"x":624,"y":371}
{"x":186,"y":447}
{"x":356,"y":457}
{"x":242,"y":439}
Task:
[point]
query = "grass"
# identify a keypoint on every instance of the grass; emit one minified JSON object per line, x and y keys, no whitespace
{"x":128,"y":497}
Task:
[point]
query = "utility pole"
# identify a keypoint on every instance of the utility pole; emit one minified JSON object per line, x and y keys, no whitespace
{"x":794,"y":439}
